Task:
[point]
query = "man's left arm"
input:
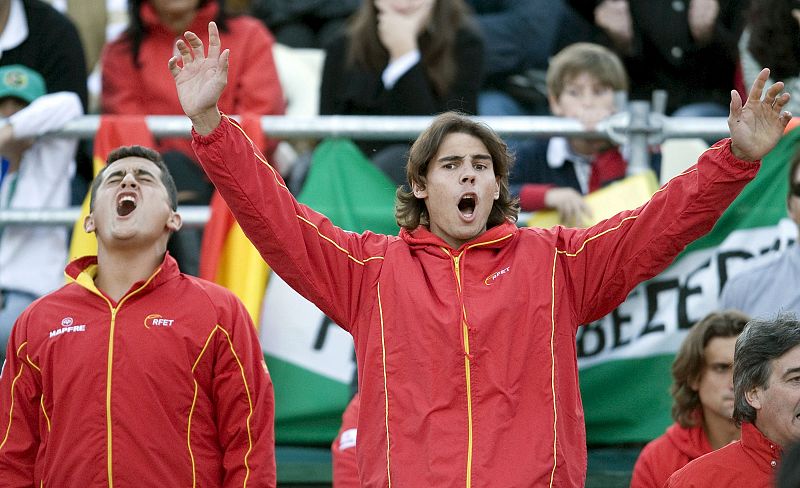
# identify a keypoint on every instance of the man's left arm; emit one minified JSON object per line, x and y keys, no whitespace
{"x":604,"y":262}
{"x":244,"y":400}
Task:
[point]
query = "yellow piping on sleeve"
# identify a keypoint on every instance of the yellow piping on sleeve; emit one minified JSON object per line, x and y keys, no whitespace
{"x":385,"y":389}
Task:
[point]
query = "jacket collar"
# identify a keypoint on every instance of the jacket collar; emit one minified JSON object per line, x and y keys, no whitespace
{"x":83,"y":271}
{"x":691,"y":441}
{"x":205,"y":14}
{"x":763,"y":451}
{"x":496,"y":237}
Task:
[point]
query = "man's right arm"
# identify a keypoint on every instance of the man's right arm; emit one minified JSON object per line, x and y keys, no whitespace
{"x":319,"y":260}
{"x":20,"y":391}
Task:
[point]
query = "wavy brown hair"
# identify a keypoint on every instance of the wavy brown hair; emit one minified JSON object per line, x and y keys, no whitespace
{"x":411,"y":211}
{"x":436,"y":43}
{"x":690,"y":361}
{"x":775,"y":37}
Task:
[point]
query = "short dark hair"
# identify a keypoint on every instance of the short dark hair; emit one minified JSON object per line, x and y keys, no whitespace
{"x":137,"y":152}
{"x":411,"y":211}
{"x":761,"y":342}
{"x":690,"y":361}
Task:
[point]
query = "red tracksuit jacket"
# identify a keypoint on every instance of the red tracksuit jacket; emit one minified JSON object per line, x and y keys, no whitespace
{"x":466,"y":357}
{"x":167,"y":387}
{"x":667,"y":454}
{"x":749,"y":462}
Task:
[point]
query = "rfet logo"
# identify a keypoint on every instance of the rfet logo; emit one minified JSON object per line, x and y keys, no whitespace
{"x":156,"y":320}
{"x":489,"y":281}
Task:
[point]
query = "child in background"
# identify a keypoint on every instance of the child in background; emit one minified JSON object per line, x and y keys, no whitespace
{"x":581,"y":82}
{"x":35,"y":174}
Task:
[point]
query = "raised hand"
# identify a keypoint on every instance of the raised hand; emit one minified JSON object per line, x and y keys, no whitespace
{"x":757,"y":126}
{"x":201,"y":78}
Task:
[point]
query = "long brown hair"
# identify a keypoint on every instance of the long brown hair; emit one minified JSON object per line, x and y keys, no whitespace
{"x":436,"y":42}
{"x":411,"y":211}
{"x":690,"y":361}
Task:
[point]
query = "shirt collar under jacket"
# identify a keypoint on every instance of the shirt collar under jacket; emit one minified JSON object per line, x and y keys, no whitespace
{"x":83,"y":270}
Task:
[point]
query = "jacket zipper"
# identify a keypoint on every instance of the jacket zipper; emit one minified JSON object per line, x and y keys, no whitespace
{"x":467,"y":358}
{"x":110,"y":360}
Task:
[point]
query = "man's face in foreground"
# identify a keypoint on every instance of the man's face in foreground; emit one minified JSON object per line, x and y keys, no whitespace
{"x":461,"y":189}
{"x":131,"y":205}
{"x":778,"y":404}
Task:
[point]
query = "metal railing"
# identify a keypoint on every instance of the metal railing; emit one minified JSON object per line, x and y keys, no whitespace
{"x":638,"y":127}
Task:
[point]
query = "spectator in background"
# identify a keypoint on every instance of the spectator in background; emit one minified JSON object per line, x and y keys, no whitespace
{"x":770,"y":284}
{"x":403,"y":58}
{"x":555,"y":173}
{"x":519,"y":38}
{"x":766,"y":384}
{"x":772,"y":38}
{"x":686,"y":47}
{"x":35,"y":174}
{"x":702,"y":393}
{"x":135,"y":82}
{"x":39,"y":37}
{"x":304,"y":23}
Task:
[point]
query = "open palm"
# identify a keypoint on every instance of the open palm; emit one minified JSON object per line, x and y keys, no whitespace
{"x":201,"y":78}
{"x":757,"y":126}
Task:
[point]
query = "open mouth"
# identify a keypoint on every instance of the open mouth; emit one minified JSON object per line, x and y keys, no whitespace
{"x":467,"y":205}
{"x":125,"y":205}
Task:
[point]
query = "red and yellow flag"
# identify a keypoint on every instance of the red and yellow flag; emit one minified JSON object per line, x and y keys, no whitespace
{"x":114,"y":131}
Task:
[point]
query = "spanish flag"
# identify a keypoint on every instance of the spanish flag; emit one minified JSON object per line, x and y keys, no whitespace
{"x":226,"y":255}
{"x":114,"y":131}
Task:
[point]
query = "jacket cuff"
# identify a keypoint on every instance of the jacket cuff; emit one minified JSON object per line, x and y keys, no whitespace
{"x":733,"y":165}
{"x":214,"y":135}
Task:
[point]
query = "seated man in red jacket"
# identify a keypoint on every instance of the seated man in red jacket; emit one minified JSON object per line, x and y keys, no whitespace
{"x":766,"y":383}
{"x":134,"y":374}
{"x":464,"y":324}
{"x":702,"y":391}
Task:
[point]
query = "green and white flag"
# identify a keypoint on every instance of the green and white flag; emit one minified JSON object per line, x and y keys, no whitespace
{"x":625,"y":359}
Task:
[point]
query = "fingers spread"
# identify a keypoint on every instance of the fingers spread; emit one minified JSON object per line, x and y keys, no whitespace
{"x":782,"y":100}
{"x":736,"y":103}
{"x":758,"y":86}
{"x":772,"y":92}
{"x":183,"y":50}
{"x":196,"y":44}
{"x":173,"y":66}
{"x":223,"y":63}
{"x":213,"y":40}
